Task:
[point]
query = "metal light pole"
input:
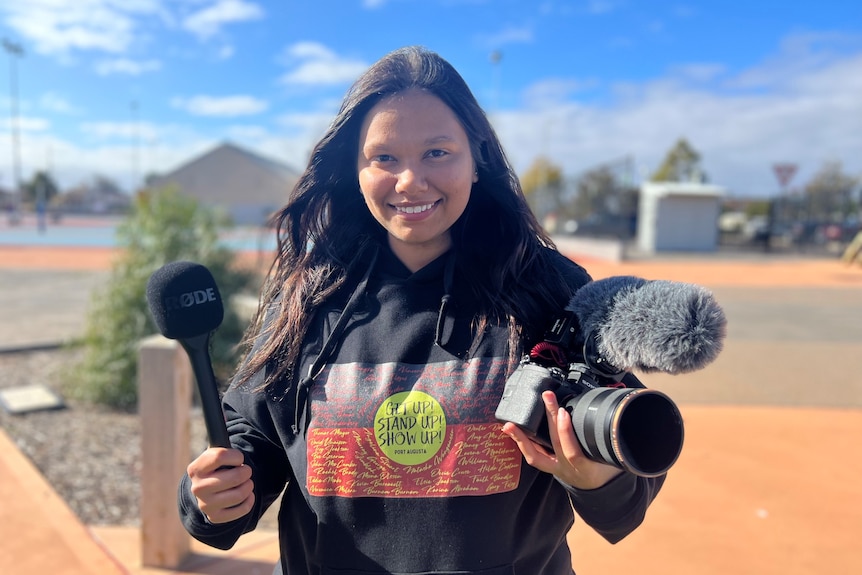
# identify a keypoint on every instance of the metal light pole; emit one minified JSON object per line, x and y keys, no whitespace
{"x":495,"y":58}
{"x":136,"y":145}
{"x":15,"y":51}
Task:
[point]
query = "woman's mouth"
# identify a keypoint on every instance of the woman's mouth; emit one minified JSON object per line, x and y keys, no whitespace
{"x":414,"y":209}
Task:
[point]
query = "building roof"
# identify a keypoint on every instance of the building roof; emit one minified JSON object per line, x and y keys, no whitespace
{"x":229,"y":175}
{"x":661,"y":189}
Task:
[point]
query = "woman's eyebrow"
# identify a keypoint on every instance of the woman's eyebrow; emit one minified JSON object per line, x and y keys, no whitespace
{"x":439,"y":139}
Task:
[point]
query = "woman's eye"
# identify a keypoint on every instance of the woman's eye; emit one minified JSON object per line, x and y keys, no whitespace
{"x":382,"y":158}
{"x":437,"y":153}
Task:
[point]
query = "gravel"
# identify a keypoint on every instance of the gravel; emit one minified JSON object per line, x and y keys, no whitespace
{"x":90,"y":455}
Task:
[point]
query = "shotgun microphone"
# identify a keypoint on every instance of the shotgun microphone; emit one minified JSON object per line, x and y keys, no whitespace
{"x":649,"y":325}
{"x":610,"y":328}
{"x":186,"y":306}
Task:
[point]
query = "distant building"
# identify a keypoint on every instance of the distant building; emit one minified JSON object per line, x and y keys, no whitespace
{"x":7,"y":199}
{"x":99,"y":196}
{"x":678,"y":216}
{"x":244,"y":185}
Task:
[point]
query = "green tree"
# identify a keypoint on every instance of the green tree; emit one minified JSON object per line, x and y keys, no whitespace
{"x":681,"y":164}
{"x":607,"y":189}
{"x":543,"y":187}
{"x":830,"y":193}
{"x":603,"y":195}
{"x":757,"y":208}
{"x":163,"y":226}
{"x":593,"y":190}
{"x":40,"y":187}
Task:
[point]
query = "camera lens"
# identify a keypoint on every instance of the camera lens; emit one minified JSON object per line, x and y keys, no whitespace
{"x":639,"y":430}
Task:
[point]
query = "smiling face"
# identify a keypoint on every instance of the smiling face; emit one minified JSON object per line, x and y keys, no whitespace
{"x":415,"y":172}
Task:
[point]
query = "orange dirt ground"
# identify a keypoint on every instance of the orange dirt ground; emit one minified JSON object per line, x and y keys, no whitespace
{"x":708,"y":272}
{"x":758,"y":490}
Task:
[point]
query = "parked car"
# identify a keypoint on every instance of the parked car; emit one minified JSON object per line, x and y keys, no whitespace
{"x":607,"y":226}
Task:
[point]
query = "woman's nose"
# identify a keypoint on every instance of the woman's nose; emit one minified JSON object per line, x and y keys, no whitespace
{"x":411,"y":179}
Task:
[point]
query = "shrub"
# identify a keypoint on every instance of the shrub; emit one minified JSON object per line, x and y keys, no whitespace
{"x":162,"y":227}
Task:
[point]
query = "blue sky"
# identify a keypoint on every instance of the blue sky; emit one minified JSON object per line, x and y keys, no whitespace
{"x":122,"y":88}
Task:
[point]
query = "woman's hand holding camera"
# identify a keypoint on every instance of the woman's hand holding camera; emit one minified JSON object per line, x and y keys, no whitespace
{"x":567,"y":461}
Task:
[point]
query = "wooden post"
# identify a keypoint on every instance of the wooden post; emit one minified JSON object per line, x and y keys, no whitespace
{"x":164,"y":400}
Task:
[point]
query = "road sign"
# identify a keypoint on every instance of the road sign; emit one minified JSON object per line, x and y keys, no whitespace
{"x":784,"y":172}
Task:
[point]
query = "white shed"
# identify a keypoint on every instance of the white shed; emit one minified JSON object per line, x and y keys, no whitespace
{"x":678,"y":216}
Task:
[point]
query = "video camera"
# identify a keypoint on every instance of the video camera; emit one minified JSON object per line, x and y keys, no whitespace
{"x":616,"y":419}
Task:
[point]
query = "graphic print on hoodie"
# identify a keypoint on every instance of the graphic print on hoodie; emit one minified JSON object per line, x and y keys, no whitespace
{"x":405,"y":431}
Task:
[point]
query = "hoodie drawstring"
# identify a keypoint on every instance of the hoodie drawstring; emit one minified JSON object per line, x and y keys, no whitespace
{"x":329,"y":344}
{"x":445,"y":322}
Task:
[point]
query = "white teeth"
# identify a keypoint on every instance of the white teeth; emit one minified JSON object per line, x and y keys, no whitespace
{"x":414,"y":209}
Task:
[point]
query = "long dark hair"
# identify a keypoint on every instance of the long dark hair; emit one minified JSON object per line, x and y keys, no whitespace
{"x":325,"y":223}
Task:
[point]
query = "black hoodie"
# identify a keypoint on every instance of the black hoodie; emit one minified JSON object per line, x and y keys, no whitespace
{"x":392,"y":457}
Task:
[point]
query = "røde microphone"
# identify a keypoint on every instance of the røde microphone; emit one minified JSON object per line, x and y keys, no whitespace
{"x":650,"y":326}
{"x":186,"y":306}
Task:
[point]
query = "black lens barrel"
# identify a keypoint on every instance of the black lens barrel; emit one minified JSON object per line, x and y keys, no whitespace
{"x":638,"y":430}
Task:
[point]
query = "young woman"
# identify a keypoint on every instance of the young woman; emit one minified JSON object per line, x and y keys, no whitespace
{"x":410,"y":277}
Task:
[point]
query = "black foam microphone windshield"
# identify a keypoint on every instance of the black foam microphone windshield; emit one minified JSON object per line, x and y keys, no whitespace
{"x":650,"y":325}
{"x":186,"y":305}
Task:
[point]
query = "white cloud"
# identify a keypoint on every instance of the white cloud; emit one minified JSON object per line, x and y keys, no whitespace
{"x":125,"y":158}
{"x":307,"y":127}
{"x":225,"y":106}
{"x":506,"y":36}
{"x":209,"y":21}
{"x":799,"y":54}
{"x":554,"y":91}
{"x":141,"y":131}
{"x":122,"y":151}
{"x":26,"y":124}
{"x":309,"y":50}
{"x":601,"y":6}
{"x":802,"y":105}
{"x":56,"y":103}
{"x":314,"y":64}
{"x":226,"y":52}
{"x":121,"y":160}
{"x":655,"y":26}
{"x":59,"y":26}
{"x":795,"y":111}
{"x":247,"y":132}
{"x":699,"y":72}
{"x":127,"y":66}
{"x":62,"y":27}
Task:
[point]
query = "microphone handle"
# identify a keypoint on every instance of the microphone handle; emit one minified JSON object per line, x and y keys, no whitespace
{"x":198,"y":352}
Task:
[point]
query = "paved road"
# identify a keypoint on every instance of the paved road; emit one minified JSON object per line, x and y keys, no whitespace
{"x":40,"y":307}
{"x":786,"y":344}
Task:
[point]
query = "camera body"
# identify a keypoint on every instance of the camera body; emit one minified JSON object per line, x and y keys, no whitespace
{"x":522,"y":397}
{"x":522,"y":403}
{"x":633,"y":428}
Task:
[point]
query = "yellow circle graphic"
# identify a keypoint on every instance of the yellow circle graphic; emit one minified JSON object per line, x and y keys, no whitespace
{"x":410,"y":427}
